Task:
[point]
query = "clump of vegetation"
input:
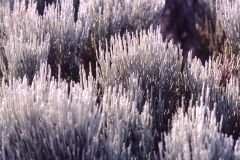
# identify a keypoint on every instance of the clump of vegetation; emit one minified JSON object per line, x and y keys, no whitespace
{"x":119,"y":79}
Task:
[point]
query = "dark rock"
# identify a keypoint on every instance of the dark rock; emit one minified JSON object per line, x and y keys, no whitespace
{"x":178,"y":23}
{"x":42,"y":3}
{"x":76,"y":6}
{"x":192,"y":25}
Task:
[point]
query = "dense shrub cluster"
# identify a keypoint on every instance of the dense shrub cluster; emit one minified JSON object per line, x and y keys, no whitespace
{"x":55,"y":33}
{"x":136,"y":102}
{"x":228,"y":16}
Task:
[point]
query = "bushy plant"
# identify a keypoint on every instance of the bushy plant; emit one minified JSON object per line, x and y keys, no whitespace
{"x":67,"y":36}
{"x":45,"y":124}
{"x":139,"y":103}
{"x":197,"y":135}
{"x":57,"y":24}
{"x":227,"y":14}
{"x":26,"y":45}
{"x":220,"y":77}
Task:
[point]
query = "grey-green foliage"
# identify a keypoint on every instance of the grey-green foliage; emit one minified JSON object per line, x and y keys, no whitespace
{"x":237,"y":149}
{"x":111,"y":17}
{"x":156,"y":66}
{"x":226,"y":97}
{"x":120,"y":129}
{"x":23,"y":26}
{"x":128,"y":132}
{"x":103,"y":18}
{"x":44,"y":122}
{"x":26,"y":45}
{"x":196,"y":76}
{"x":50,"y":123}
{"x":66,"y":35}
{"x":228,"y":106}
{"x":11,"y":2}
{"x":145,"y":55}
{"x":197,"y":135}
{"x":228,"y":15}
{"x":24,"y":56}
